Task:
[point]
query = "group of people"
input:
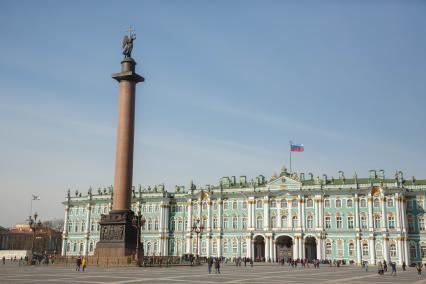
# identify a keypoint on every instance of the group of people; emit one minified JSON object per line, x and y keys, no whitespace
{"x":80,"y":263}
{"x":213,"y":261}
{"x":36,"y":259}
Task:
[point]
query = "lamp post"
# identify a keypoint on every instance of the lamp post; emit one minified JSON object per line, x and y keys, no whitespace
{"x":34,"y":225}
{"x":197,"y":228}
{"x":138,"y":222}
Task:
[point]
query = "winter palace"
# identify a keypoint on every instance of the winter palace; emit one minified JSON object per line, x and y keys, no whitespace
{"x":290,"y":215}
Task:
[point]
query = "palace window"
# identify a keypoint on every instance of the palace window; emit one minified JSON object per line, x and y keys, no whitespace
{"x":203,"y":247}
{"x":377,"y":221}
{"x":310,"y":203}
{"x":350,"y":222}
{"x":310,"y":222}
{"x":365,"y":249}
{"x":225,"y":222}
{"x":150,"y":208}
{"x":413,"y":250}
{"x":259,"y":222}
{"x":244,"y":222}
{"x":392,"y":250}
{"x":156,"y":225}
{"x":234,"y":205}
{"x":215,"y":223}
{"x":234,"y":247}
{"x":69,"y":226}
{"x":295,"y":222}
{"x":76,"y":227}
{"x":339,"y":224}
{"x":327,"y":222}
{"x":328,"y":248}
{"x":410,"y":223}
{"x":259,"y":204}
{"x":379,"y":250}
{"x":338,"y":203}
{"x":284,"y":221}
{"x":204,"y":206}
{"x":194,"y":246}
{"x":273,"y":204}
{"x":81,"y":247}
{"x":363,"y":203}
{"x":180,"y":223}
{"x":173,"y":225}
{"x":421,"y":223}
{"x":339,"y":247}
{"x":423,"y":250}
{"x":351,"y":249}
{"x":327,"y":203}
{"x":273,"y":222}
{"x":376,"y":202}
{"x":390,"y":202}
{"x":91,"y":247}
{"x":234,"y":223}
{"x":391,"y":222}
{"x":155,"y":247}
{"x":283,"y":203}
{"x":149,"y":224}
{"x":215,"y":206}
{"x":83,"y":226}
{"x":74,"y":247}
{"x":214,"y":247}
{"x":195,"y":207}
{"x":244,"y":205}
{"x":244,"y":247}
{"x":349,"y":203}
{"x":98,"y":227}
{"x":294,"y":203}
{"x":148,"y":248}
{"x":363,"y":222}
{"x":225,"y":246}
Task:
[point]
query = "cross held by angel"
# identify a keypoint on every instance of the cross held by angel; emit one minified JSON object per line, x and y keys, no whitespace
{"x":128,"y":43}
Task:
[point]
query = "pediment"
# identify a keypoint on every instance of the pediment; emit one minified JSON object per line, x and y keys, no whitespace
{"x":284,"y":183}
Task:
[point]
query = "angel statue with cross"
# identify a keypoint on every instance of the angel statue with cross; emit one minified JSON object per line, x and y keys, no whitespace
{"x":128,"y":43}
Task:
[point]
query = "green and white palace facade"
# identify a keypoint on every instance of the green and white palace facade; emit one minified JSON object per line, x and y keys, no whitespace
{"x":290,"y":215}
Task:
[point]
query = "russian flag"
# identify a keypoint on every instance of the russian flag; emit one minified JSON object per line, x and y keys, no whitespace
{"x":297,"y":148}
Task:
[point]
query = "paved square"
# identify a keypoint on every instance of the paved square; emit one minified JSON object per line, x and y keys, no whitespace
{"x":261,"y":273}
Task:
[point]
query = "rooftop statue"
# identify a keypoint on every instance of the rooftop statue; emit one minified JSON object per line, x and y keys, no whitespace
{"x":128,"y":43}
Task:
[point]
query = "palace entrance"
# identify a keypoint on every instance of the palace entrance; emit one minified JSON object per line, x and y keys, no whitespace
{"x":259,"y":248}
{"x":310,"y":248}
{"x":284,"y":246}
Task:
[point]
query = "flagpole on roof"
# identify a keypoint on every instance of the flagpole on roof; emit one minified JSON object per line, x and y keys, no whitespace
{"x":290,"y":155}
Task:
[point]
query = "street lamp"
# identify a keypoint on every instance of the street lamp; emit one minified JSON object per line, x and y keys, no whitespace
{"x":197,"y":228}
{"x":34,"y":225}
{"x":138,"y":222}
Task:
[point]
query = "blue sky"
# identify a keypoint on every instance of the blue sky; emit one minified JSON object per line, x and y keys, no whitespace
{"x":228,"y":84}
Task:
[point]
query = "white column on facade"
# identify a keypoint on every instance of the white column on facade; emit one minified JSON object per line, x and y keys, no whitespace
{"x":267,"y":248}
{"x":220,"y":213}
{"x":386,"y":248}
{"x":189,"y":226}
{"x":274,"y":251}
{"x":358,"y":250}
{"x":289,"y":215}
{"x":299,"y":211}
{"x":316,"y":210}
{"x":208,"y":246}
{"x":249,"y":214}
{"x":319,"y":246}
{"x":65,"y":231}
{"x":383,"y":203}
{"x":266,"y":217}
{"x":219,"y":246}
{"x":296,"y":247}
{"x":302,"y":211}
{"x":356,"y":203}
{"x":279,"y":215}
{"x":370,"y":212}
{"x":86,"y":230}
{"x":302,"y":248}
{"x":406,"y":251}
{"x":253,"y":214}
{"x":209,"y":215}
{"x":403,"y":210}
{"x":400,"y":251}
{"x":372,"y":249}
{"x":397,"y":212}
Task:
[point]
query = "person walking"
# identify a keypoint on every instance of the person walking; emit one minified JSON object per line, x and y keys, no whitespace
{"x":419,"y":268}
{"x":366,"y":266}
{"x":209,"y":264}
{"x":404,"y":266}
{"x":4,"y":260}
{"x":393,"y":266}
{"x":77,"y":263}
{"x":380,"y":268}
{"x":83,"y":263}
{"x":217,"y":265}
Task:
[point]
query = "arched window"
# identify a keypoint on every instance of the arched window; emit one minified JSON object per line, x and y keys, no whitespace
{"x":377,"y":221}
{"x":294,"y":203}
{"x":273,"y":203}
{"x":225,"y":222}
{"x":284,"y":221}
{"x":391,"y":222}
{"x":203,"y":247}
{"x":173,"y":225}
{"x":421,"y":223}
{"x":148,"y":249}
{"x":392,"y":250}
{"x":81,"y":248}
{"x":379,"y":250}
{"x":410,"y":223}
{"x":155,"y":247}
{"x":338,"y":203}
{"x":215,"y":223}
{"x":149,"y":224}
{"x":283,"y":203}
{"x":180,"y":224}
{"x":413,"y":250}
{"x":351,"y":249}
{"x":310,"y":203}
{"x":234,"y":247}
{"x":376,"y":202}
{"x":350,"y":222}
{"x":91,"y":247}
{"x":423,"y":249}
{"x":83,"y":226}
{"x":234,"y":205}
{"x":295,"y":222}
{"x":327,"y":222}
{"x":327,"y":203}
{"x":76,"y":227}
{"x":363,"y":222}
{"x":225,"y":205}
{"x":349,"y":203}
{"x":259,"y":222}
{"x":328,"y":248}
{"x":310,"y":222}
{"x":273,"y":222}
{"x":244,"y":222}
{"x":339,"y":244}
{"x":339,"y":223}
{"x":69,"y":226}
{"x":363,"y":203}
{"x":244,"y":247}
{"x":364,"y":249}
{"x":214,"y":247}
{"x":390,"y":202}
{"x":68,"y":246}
{"x":204,"y":206}
{"x":225,"y":246}
{"x":234,"y":222}
{"x":259,"y":204}
{"x":244,"y":205}
{"x":74,"y":247}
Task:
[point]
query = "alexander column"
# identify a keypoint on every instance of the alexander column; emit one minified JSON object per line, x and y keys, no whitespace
{"x":118,"y":236}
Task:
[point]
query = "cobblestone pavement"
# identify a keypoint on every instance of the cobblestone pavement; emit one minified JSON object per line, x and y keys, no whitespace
{"x":261,"y":273}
